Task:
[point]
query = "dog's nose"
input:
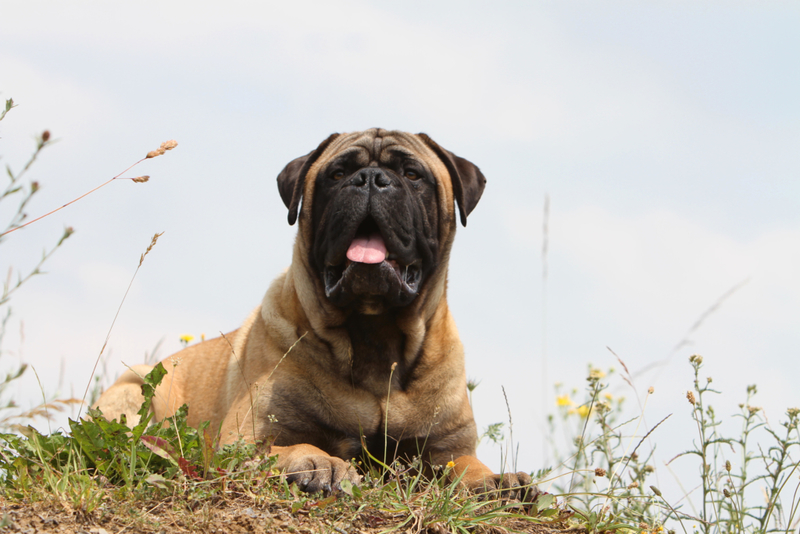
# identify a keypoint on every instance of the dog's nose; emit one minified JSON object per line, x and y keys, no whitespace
{"x":371,"y":176}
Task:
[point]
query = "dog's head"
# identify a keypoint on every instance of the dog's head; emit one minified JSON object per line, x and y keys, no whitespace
{"x":377,"y":214}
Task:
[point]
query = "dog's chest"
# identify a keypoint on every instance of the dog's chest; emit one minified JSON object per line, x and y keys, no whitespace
{"x":377,"y":354}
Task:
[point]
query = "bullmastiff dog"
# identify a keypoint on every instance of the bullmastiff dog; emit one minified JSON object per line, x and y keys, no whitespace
{"x":354,"y":343}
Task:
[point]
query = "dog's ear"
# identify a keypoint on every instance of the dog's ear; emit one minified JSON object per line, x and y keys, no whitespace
{"x":292,"y":178}
{"x":468,"y":180}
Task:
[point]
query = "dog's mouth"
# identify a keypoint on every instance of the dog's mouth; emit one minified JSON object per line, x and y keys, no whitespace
{"x":370,"y":271}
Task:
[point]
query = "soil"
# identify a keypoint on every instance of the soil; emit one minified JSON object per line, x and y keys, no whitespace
{"x":170,"y":516}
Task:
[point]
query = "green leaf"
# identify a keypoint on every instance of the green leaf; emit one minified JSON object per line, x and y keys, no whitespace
{"x":158,"y":481}
{"x":151,"y":381}
{"x":161,"y":447}
{"x":545,"y":501}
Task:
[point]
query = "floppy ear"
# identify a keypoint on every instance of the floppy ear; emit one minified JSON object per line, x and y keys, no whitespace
{"x":468,"y":180}
{"x":292,"y":178}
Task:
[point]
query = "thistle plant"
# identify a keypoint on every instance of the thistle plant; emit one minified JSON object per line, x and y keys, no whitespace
{"x":766,"y":474}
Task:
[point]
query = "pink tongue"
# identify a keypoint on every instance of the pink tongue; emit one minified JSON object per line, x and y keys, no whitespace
{"x":370,"y":249}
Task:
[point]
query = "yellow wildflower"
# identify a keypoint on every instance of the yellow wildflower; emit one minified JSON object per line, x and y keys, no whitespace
{"x":564,"y":400}
{"x":583,"y":411}
{"x":609,"y":396}
{"x":451,"y":464}
{"x":186,"y":339}
{"x":596,"y":374}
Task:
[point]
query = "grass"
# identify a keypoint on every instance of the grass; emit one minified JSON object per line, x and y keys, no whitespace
{"x":100,"y":464}
{"x":169,"y":477}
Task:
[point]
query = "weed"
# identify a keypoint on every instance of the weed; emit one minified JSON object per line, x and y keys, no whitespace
{"x":766,"y":472}
{"x":759,"y":495}
{"x":22,"y":191}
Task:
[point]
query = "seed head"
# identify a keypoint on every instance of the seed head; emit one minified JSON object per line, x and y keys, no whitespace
{"x":166,"y":145}
{"x":150,"y":247}
{"x":141,"y":179}
{"x":728,"y":466}
{"x":696,"y":358}
{"x":753,"y":409}
{"x":599,"y":472}
{"x":68,"y":231}
{"x":650,"y":390}
{"x":793,"y":412}
{"x":726,"y":492}
{"x":633,"y":485}
{"x":45,"y":136}
{"x":690,"y":396}
{"x":656,"y":490}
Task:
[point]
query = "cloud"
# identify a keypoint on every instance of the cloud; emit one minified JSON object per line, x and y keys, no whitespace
{"x":662,"y":256}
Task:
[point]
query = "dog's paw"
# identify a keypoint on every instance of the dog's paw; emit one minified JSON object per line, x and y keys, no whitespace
{"x":508,"y":486}
{"x":318,"y":472}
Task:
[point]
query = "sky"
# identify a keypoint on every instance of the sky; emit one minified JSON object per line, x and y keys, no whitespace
{"x":664,"y":136}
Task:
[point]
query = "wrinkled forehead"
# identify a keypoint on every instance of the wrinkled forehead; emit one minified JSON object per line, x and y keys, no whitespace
{"x":382,"y":147}
{"x":377,"y":146}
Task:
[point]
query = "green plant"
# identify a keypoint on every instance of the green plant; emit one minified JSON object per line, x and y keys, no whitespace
{"x":729,"y":493}
{"x":22,"y":191}
{"x":604,"y":466}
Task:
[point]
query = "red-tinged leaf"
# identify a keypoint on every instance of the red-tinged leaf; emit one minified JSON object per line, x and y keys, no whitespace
{"x":188,"y":469}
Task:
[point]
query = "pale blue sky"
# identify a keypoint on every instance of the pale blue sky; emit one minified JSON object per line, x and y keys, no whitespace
{"x":665,"y":133}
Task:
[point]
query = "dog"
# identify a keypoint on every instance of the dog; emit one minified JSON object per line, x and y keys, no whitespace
{"x":354,"y":345}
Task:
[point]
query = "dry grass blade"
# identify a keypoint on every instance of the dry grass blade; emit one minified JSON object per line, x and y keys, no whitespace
{"x":167,"y":145}
{"x":116,"y":315}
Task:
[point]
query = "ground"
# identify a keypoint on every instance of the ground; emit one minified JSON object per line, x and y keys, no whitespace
{"x":238,"y":515}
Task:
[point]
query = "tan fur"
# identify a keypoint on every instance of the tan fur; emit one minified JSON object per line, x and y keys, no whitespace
{"x":294,"y":338}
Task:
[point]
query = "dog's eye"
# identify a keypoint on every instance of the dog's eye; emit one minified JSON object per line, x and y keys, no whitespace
{"x":338,"y":175}
{"x":412,"y":174}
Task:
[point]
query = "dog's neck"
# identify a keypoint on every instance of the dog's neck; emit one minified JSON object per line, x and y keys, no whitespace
{"x":378,"y":350}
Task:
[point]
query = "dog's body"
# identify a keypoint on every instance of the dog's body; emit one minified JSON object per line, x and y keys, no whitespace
{"x":354,"y":342}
